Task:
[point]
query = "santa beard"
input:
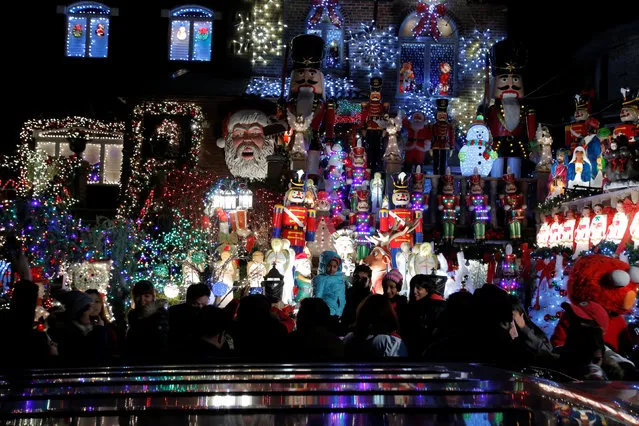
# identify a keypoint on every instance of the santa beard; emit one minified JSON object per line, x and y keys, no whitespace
{"x":255,"y":168}
{"x":511,"y":112}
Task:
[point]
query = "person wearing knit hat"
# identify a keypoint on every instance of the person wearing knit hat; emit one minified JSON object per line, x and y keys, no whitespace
{"x":76,"y":303}
{"x":392,"y":284}
{"x":147,"y":336}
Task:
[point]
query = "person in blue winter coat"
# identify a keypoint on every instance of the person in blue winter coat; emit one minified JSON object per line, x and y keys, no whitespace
{"x":329,"y":284}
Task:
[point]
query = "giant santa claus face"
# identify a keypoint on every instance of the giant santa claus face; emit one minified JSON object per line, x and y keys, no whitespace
{"x":246,"y":147}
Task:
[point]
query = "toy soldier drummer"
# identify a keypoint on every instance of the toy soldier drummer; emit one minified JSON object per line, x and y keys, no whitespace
{"x":307,"y":106}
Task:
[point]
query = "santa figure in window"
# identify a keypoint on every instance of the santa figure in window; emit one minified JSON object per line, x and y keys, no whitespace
{"x":400,"y":217}
{"x":443,"y":134}
{"x":373,"y":111}
{"x":444,"y":79}
{"x":599,"y":224}
{"x":629,"y":115}
{"x":406,"y":78}
{"x":307,"y":106}
{"x":293,"y":221}
{"x":362,"y":221}
{"x":419,"y":140}
{"x":510,"y":121}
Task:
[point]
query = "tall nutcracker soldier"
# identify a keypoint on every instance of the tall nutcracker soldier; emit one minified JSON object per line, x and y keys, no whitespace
{"x":293,"y":221}
{"x":400,"y":216}
{"x":513,"y":203}
{"x":362,"y":221}
{"x":449,"y":206}
{"x":418,"y":200}
{"x":477,"y":203}
{"x":629,"y":115}
{"x":577,"y":131}
{"x":373,"y":111}
{"x":510,"y":121}
{"x":358,"y":174}
{"x":443,"y":134}
{"x":307,"y":106}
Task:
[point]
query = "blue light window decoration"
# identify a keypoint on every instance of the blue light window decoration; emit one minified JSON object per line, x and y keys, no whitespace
{"x":87,"y":30}
{"x":191,"y":33}
{"x":425,"y":56}
{"x":333,"y":38}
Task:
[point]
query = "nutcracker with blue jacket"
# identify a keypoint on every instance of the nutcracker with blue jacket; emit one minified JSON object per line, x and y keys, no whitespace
{"x":514,"y":205}
{"x":443,"y":134}
{"x":307,"y":106}
{"x":373,"y":111}
{"x":401,"y":216}
{"x":511,"y":122}
{"x":478,"y":205}
{"x":293,"y":221}
{"x":449,"y":206}
{"x":362,"y":221}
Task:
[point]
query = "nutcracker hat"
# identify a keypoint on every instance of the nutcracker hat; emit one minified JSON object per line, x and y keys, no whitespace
{"x":585,"y":99}
{"x":509,"y":177}
{"x":298,"y":181}
{"x":508,"y":57}
{"x":376,"y":83}
{"x":418,"y":176}
{"x":307,"y":51}
{"x":322,"y":196}
{"x":630,"y":98}
{"x":475,"y":179}
{"x":363,"y":195}
{"x":400,"y":182}
{"x":442,"y":104}
{"x":359,"y":150}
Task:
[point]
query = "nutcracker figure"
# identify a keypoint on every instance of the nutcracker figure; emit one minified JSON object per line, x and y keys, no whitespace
{"x":373,"y":111}
{"x":577,"y":131}
{"x":400,"y":216}
{"x":477,"y":203}
{"x":599,"y":225}
{"x":513,"y":202}
{"x":443,"y":140}
{"x":419,"y":140}
{"x":619,"y":225}
{"x":418,"y":200}
{"x":629,"y":116}
{"x":449,"y":206}
{"x":511,"y":123}
{"x":582,"y":233}
{"x":357,"y":172}
{"x":307,"y":106}
{"x":293,"y":221}
{"x":543,"y":235}
{"x":362,"y":222}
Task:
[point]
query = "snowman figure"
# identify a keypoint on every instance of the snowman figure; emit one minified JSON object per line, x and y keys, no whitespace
{"x":477,"y":153}
{"x":181,"y":33}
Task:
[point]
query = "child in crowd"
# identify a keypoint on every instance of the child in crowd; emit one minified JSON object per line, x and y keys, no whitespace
{"x":329,"y":283}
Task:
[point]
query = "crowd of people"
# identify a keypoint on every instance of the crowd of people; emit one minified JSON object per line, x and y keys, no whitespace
{"x":342,"y":322}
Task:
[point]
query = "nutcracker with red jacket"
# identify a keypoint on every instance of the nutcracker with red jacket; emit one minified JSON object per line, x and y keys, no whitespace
{"x":307,"y":106}
{"x":629,"y":116}
{"x":514,"y":205}
{"x":512,"y":123}
{"x":362,"y":221}
{"x":583,"y":125}
{"x":448,"y":203}
{"x":400,"y":217}
{"x":419,"y":140}
{"x":293,"y":221}
{"x":418,"y":200}
{"x":478,"y":204}
{"x":373,"y":111}
{"x":443,"y":138}
{"x":357,"y":172}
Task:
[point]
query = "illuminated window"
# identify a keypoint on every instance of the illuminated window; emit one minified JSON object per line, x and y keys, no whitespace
{"x":427,"y":65}
{"x":87,"y":30}
{"x":191,"y":33}
{"x":333,"y":38}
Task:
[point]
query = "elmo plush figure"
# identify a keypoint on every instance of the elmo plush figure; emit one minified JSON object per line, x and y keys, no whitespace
{"x":609,"y":282}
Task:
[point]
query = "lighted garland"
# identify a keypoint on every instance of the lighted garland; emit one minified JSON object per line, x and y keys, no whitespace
{"x":271,"y":87}
{"x":373,"y":49}
{"x":142,"y":171}
{"x":259,"y":33}
{"x":416,"y":101}
{"x":27,"y":131}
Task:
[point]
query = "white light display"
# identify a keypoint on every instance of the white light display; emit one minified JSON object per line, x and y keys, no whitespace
{"x":271,"y":87}
{"x":261,"y":32}
{"x":87,"y":30}
{"x":191,"y":34}
{"x":373,"y":49}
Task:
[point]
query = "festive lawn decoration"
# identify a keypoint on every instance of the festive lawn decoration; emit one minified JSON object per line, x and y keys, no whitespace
{"x":373,"y":49}
{"x":331,"y":7}
{"x":477,"y":153}
{"x":429,"y":12}
{"x":260,"y":33}
{"x":271,"y":87}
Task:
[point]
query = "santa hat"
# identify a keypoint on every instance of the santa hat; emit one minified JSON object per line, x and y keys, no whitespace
{"x":301,"y":255}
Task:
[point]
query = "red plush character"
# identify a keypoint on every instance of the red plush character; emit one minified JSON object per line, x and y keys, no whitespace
{"x":612,"y":284}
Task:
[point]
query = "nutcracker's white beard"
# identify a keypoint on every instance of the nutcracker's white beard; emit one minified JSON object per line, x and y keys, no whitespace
{"x":511,"y":112}
{"x":255,"y":168}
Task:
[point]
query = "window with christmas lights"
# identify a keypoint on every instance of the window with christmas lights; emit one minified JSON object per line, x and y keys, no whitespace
{"x":191,"y":33}
{"x":87,"y":30}
{"x":428,"y":63}
{"x":332,"y":34}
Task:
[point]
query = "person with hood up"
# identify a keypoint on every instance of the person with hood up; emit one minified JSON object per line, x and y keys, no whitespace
{"x":329,"y":283}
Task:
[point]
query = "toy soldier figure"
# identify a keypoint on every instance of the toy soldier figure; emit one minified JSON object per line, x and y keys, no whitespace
{"x":293,"y":221}
{"x":629,"y":115}
{"x":372,"y":111}
{"x":513,"y":202}
{"x":449,"y":206}
{"x":511,"y":123}
{"x":307,"y":106}
{"x":362,"y":222}
{"x":477,"y":203}
{"x":443,"y":134}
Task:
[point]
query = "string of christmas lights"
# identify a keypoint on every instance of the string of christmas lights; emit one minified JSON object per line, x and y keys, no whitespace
{"x":373,"y":49}
{"x":260,"y":32}
{"x":271,"y":87}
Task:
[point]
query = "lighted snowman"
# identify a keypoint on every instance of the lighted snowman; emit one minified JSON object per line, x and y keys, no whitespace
{"x":181,"y":33}
{"x":477,"y":153}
